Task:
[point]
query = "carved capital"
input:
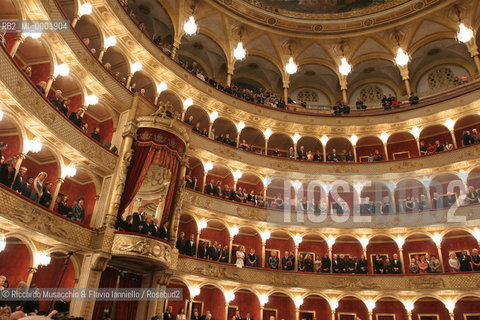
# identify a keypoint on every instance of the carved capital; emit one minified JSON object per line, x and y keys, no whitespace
{"x":130,"y":130}
{"x":21,"y":156}
{"x":60,"y":180}
{"x":100,"y":261}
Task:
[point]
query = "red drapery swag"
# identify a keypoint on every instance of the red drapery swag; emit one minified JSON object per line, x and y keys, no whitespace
{"x":107,"y":280}
{"x":153,"y":146}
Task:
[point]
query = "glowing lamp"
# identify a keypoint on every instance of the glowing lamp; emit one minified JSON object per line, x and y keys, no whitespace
{"x":233,"y":231}
{"x":464,"y":33}
{"x":33,"y":35}
{"x":229,"y":296}
{"x":85,"y":9}
{"x":297,"y":239}
{"x":437,"y":238}
{"x":161,"y":87}
{"x":137,"y":66}
{"x":92,"y":100}
{"x":384,"y":137}
{"x":239,"y":52}
{"x":69,"y":171}
{"x":296,"y":185}
{"x":110,"y":42}
{"x":298,"y":301}
{"x":240,"y":125}
{"x":330,"y":241}
{"x":194,"y":291}
{"x":345,"y":68}
{"x":476,"y":234}
{"x":213,"y":115}
{"x":450,"y":305}
{"x":268,"y":132}
{"x":34,"y":145}
{"x":324,"y":139}
{"x":450,"y":124}
{"x":354,"y":139}
{"x":62,"y":70}
{"x":296,"y":137}
{"x":265,"y":235}
{"x":267,"y":181}
{"x":1,"y":115}
{"x":190,"y":26}
{"x":291,"y":66}
{"x":370,"y":305}
{"x":237,"y":175}
{"x":202,"y":224}
{"x":188,"y":102}
{"x":3,"y":243}
{"x":208,"y":166}
{"x":416,"y":132}
{"x":263,"y":299}
{"x":41,"y":259}
{"x":402,"y":58}
{"x":364,"y":242}
{"x":408,"y":306}
{"x":400,"y":241}
{"x":333,"y":304}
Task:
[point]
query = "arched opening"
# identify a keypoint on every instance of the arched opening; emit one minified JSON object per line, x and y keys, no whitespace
{"x":383,"y":256}
{"x":196,"y":117}
{"x":142,"y":83}
{"x":445,"y":189}
{"x":276,"y":245}
{"x":16,"y":259}
{"x":411,"y":196}
{"x":351,"y":308}
{"x":469,"y":124}
{"x":257,"y":74}
{"x":118,"y":63}
{"x":202,"y":55}
{"x":49,"y":277}
{"x":98,"y":116}
{"x":88,"y":31}
{"x":251,"y":240}
{"x":280,"y":144}
{"x":216,"y":236}
{"x":315,"y":307}
{"x":219,"y":182}
{"x":402,"y":145}
{"x":343,"y":198}
{"x":279,"y":194}
{"x":33,"y":53}
{"x":11,"y":136}
{"x":252,"y":139}
{"x":369,"y":148}
{"x":225,"y":131}
{"x":169,"y":97}
{"x":252,"y":187}
{"x":79,"y":187}
{"x":66,"y":95}
{"x":473,"y":179}
{"x":454,"y":242}
{"x":435,"y":138}
{"x":315,"y":85}
{"x":35,"y":163}
{"x":9,"y":12}
{"x":429,"y":307}
{"x":415,"y":251}
{"x":280,"y":306}
{"x":376,"y":199}
{"x":194,"y":175}
{"x":467,"y":308}
{"x":246,"y":302}
{"x":188,"y":226}
{"x":315,"y":247}
{"x":339,"y":149}
{"x":388,"y":308}
{"x":177,"y":305}
{"x":212,"y":300}
{"x":345,"y":250}
{"x":309,"y":148}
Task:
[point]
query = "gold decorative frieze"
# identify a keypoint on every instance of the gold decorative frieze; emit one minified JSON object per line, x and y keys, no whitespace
{"x":129,"y":245}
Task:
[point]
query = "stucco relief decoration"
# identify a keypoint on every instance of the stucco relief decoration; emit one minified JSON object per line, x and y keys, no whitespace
{"x":134,"y":245}
{"x":160,"y":139}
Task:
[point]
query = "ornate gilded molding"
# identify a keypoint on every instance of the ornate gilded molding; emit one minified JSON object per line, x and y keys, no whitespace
{"x":165,"y":124}
{"x":33,"y":218}
{"x":213,"y":272}
{"x":141,"y":247}
{"x":56,"y":126}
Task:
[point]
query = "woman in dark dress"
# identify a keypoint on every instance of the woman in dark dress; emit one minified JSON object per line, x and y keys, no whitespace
{"x":46,"y":198}
{"x":63,"y":207}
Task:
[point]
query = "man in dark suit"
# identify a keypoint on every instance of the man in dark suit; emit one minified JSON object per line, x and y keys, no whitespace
{"x":155,"y":228}
{"x":19,"y":182}
{"x":213,"y":252}
{"x":203,"y":251}
{"x":190,"y":246}
{"x":335,"y":266}
{"x":138,"y":219}
{"x":27,"y":187}
{"x":248,"y":316}
{"x":224,"y":257}
{"x":209,"y":188}
{"x":181,"y":243}
{"x":396,"y":264}
{"x":96,"y":134}
{"x":334,"y":155}
{"x":284,"y":260}
{"x":195,"y":315}
{"x":301,"y":154}
{"x":168,"y":315}
{"x":207,"y":316}
{"x":465,"y":261}
{"x":237,"y":315}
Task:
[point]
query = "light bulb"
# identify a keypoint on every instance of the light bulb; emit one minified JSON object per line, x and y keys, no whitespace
{"x":3,"y":243}
{"x":237,"y":175}
{"x":34,"y":145}
{"x":265,"y":235}
{"x":161,"y":87}
{"x":402,"y":58}
{"x":190,"y":27}
{"x":213,"y":115}
{"x":69,"y":171}
{"x":41,"y":259}
{"x":85,"y":9}
{"x":263,"y":299}
{"x":354,"y":139}
{"x":239,"y":52}
{"x":324,"y":139}
{"x":62,"y":70}
{"x":364,"y":242}
{"x":187,"y":103}
{"x":384,"y":137}
{"x":464,"y":34}
{"x":208,"y":166}
{"x":291,"y":66}
{"x":240,"y":125}
{"x":194,"y":291}
{"x":297,"y":185}
{"x":202,"y":224}
{"x":296,"y":137}
{"x":137,"y":66}
{"x":268,"y":132}
{"x":92,"y":100}
{"x":233,"y":231}
{"x":345,"y":68}
{"x":450,"y":124}
{"x":416,"y":132}
{"x":330,"y":241}
{"x":400,"y":241}
{"x":297,"y":239}
{"x":110,"y":42}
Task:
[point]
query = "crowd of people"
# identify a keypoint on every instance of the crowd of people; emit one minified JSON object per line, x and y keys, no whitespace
{"x":37,"y":188}
{"x":310,"y":262}
{"x":241,"y":195}
{"x":143,"y":223}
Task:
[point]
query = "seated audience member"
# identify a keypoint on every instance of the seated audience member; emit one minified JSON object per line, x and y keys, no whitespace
{"x":163,"y":232}
{"x":387,"y":266}
{"x":19,"y":182}
{"x":204,"y":132}
{"x":453,"y":262}
{"x":334,"y":156}
{"x":475,"y":136}
{"x":41,"y":86}
{"x":291,"y":153}
{"x":423,"y":149}
{"x":84,"y":127}
{"x":46,"y":198}
{"x":448,"y":146}
{"x":438,"y":146}
{"x":301,"y":153}
{"x":350,"y":157}
{"x":78,"y":210}
{"x":56,"y":99}
{"x":244,"y":146}
{"x":28,"y":71}
{"x":431,"y":149}
{"x":377,"y":156}
{"x":318,"y":156}
{"x":196,"y":128}
{"x":273,"y":261}
{"x":465,"y":261}
{"x":133,"y":87}
{"x":475,"y":260}
{"x":301,"y":263}
{"x":65,"y":106}
{"x":413,"y":99}
{"x":423,"y":265}
{"x":189,"y":121}
{"x":203,"y":251}
{"x":423,"y":204}
{"x":413,"y":267}
{"x":96,"y":134}
{"x":77,"y":117}
{"x":211,"y":135}
{"x":362,"y":265}
{"x":437,"y":201}
{"x":472,"y":196}
{"x":463,"y":78}
{"x":467,"y":138}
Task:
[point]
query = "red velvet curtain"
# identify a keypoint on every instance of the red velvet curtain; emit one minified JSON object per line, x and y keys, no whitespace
{"x":153,"y":147}
{"x":127,"y":310}
{"x":107,"y":280}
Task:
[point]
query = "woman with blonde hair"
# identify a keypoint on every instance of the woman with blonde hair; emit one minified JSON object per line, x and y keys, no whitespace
{"x":240,"y":257}
{"x":37,"y":191}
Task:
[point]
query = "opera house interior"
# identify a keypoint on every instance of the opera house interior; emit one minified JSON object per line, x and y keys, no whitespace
{"x":249,"y":159}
